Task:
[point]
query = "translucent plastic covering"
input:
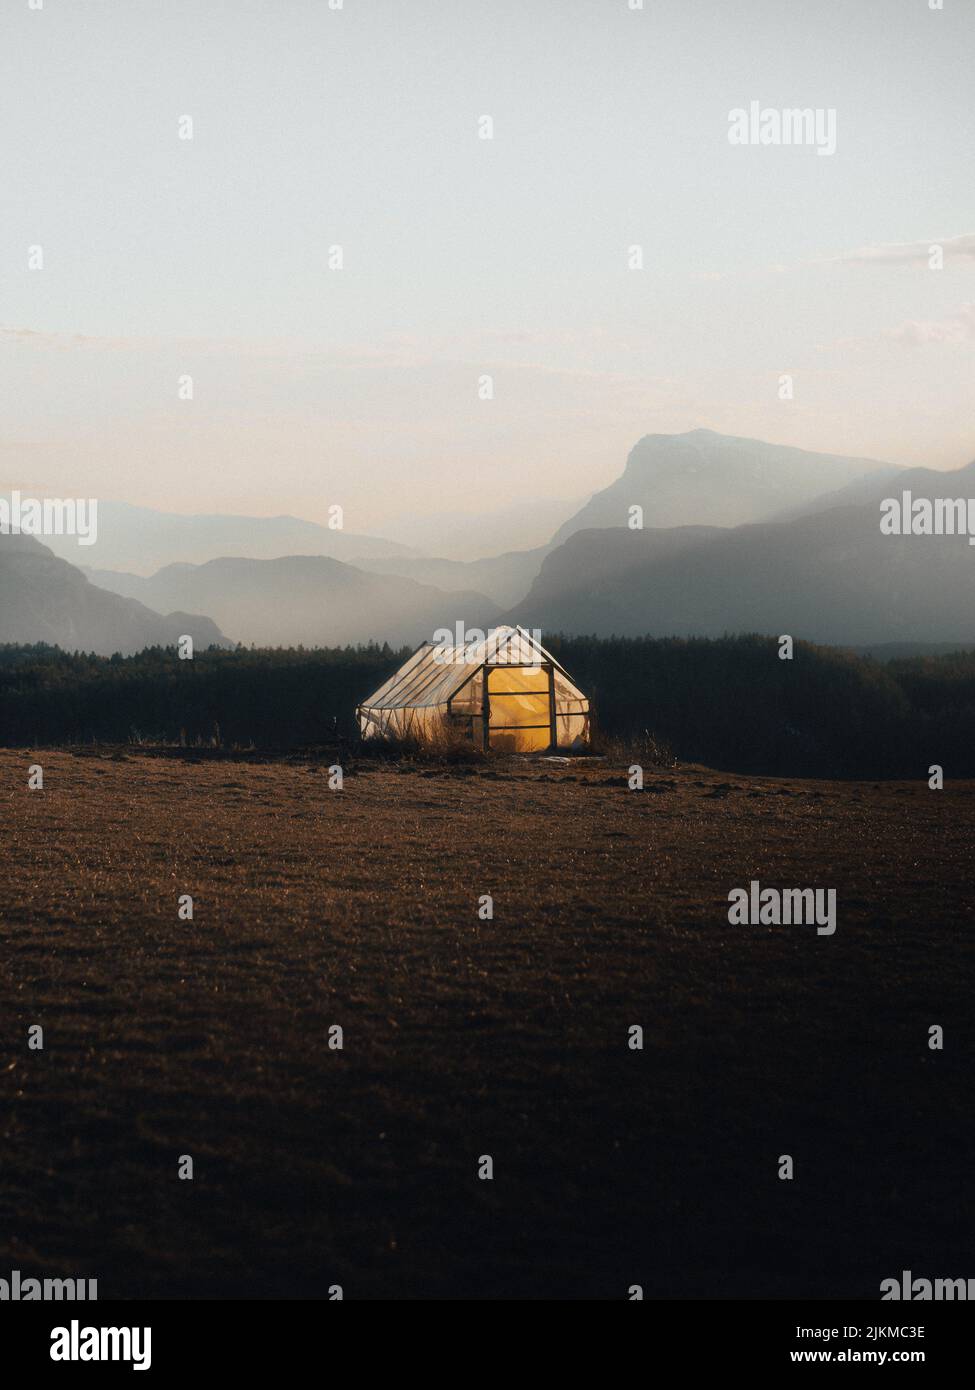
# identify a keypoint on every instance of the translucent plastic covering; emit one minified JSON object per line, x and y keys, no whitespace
{"x":505,"y":692}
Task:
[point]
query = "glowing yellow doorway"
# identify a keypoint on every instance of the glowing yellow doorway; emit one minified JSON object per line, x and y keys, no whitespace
{"x":520,"y":711}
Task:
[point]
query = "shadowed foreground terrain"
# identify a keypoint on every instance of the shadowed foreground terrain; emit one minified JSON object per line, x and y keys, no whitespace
{"x":466,"y":1037}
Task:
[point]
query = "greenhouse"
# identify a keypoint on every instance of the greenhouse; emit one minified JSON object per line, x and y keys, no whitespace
{"x":503,"y":691}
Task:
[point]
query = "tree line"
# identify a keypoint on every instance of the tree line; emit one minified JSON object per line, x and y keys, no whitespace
{"x":729,"y":702}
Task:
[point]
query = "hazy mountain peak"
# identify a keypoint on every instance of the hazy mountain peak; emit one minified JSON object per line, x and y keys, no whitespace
{"x":826,"y":574}
{"x":705,"y":478}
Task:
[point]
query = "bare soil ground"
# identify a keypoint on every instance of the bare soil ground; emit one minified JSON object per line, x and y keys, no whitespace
{"x":465,"y":1037}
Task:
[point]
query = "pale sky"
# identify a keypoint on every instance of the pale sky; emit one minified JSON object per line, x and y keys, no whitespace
{"x":465,"y":257}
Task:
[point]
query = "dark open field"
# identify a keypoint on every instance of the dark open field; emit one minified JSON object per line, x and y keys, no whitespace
{"x":467,"y":1037}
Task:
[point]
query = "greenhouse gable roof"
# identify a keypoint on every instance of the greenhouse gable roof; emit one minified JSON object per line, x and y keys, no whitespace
{"x":436,"y":671}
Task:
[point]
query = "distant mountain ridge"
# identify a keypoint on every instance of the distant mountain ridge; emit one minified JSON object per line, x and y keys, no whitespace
{"x":687,"y":571}
{"x":304,"y":600}
{"x":829,"y":577}
{"x":680,"y":480}
{"x":696,"y":478}
{"x":44,"y":599}
{"x":142,"y":540}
